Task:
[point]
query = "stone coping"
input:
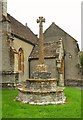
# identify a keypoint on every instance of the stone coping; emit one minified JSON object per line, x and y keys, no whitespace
{"x":41,"y":91}
{"x":41,"y":80}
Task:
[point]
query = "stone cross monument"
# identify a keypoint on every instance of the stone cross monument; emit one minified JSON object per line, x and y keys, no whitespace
{"x":41,"y":88}
{"x":41,"y":67}
{"x":41,"y":40}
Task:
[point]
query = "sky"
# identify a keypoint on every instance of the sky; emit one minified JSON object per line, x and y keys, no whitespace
{"x":65,"y":13}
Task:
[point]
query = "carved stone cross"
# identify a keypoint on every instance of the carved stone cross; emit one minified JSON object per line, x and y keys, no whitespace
{"x":41,"y":40}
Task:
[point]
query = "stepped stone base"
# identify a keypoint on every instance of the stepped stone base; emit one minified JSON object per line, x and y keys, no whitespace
{"x":38,"y":84}
{"x":41,"y":91}
{"x":42,"y":97}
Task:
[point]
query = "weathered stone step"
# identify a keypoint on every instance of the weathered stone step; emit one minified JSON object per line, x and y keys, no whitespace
{"x":40,"y":80}
{"x":40,"y":91}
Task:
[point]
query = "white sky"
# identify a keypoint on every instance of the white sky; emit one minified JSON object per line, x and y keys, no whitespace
{"x":65,"y":13}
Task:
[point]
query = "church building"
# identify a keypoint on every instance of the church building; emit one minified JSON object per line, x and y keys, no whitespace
{"x":20,"y":52}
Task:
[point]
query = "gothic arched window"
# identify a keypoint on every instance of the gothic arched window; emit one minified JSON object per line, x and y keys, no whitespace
{"x":21,"y":60}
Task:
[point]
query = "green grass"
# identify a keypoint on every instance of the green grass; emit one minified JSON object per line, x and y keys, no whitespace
{"x":0,"y":102}
{"x":13,"y":109}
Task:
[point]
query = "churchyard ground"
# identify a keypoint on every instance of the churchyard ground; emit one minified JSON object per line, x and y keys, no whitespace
{"x":14,"y":109}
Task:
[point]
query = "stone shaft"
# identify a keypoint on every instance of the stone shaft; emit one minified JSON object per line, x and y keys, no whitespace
{"x":41,"y":40}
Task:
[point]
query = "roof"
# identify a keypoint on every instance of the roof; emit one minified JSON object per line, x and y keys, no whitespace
{"x":49,"y":50}
{"x":21,"y":31}
{"x":54,"y":30}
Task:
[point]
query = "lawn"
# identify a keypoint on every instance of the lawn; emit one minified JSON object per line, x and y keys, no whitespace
{"x":13,"y":109}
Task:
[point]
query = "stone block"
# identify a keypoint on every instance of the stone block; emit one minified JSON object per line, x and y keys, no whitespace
{"x":41,"y":75}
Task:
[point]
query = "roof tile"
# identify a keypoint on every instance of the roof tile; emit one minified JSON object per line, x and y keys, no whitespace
{"x":49,"y":50}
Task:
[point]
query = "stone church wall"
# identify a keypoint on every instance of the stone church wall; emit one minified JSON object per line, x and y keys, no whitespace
{"x":72,"y":70}
{"x":9,"y":79}
{"x":5,"y":28}
{"x":27,"y":48}
{"x":6,"y":47}
{"x":74,"y":83}
{"x":7,"y":71}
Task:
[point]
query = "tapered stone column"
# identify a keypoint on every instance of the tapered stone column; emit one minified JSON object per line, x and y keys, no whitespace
{"x":41,"y":40}
{"x":41,"y":67}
